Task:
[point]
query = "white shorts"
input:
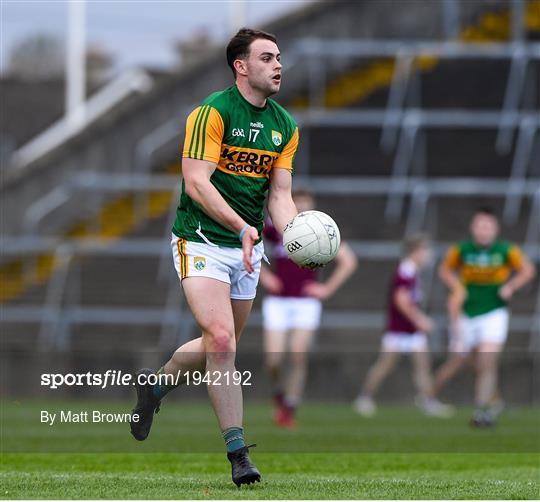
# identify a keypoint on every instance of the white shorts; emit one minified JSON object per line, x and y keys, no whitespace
{"x":196,"y":259}
{"x":283,"y":313}
{"x":405,"y":343}
{"x":486,"y":328}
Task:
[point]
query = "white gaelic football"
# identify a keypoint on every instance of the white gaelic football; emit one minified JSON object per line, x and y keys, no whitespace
{"x":311,"y":239}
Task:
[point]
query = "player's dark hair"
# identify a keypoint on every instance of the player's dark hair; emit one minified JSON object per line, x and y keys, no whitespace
{"x":238,"y":47}
{"x":485,"y":210}
{"x":412,"y":242}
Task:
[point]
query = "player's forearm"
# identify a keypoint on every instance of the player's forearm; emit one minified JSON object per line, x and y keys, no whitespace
{"x":280,"y":203}
{"x":338,"y":278}
{"x":522,"y":277}
{"x":281,"y":210}
{"x":346,"y":264}
{"x":214,"y":205}
{"x":409,"y":309}
{"x":411,"y":312}
{"x":451,"y":280}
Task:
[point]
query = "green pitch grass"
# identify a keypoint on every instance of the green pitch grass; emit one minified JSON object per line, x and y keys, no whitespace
{"x":334,"y":454}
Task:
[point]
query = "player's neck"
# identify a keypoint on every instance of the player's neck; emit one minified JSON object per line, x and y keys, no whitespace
{"x":252,"y":96}
{"x":485,"y":245}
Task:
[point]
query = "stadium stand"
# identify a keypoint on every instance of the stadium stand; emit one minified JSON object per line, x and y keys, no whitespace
{"x":408,"y":139}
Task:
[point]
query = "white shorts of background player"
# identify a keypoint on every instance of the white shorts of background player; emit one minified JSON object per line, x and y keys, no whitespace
{"x":282,"y":313}
{"x":404,"y":343}
{"x":471,"y":332}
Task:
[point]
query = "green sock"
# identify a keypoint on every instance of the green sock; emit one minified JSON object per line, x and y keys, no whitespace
{"x":162,"y":389}
{"x":234,"y":438}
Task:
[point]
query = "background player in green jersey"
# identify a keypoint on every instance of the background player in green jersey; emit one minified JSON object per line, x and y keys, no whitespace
{"x":239,"y":144}
{"x":483,"y":274}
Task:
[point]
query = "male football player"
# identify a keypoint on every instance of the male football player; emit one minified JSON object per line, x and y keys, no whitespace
{"x":239,"y":144}
{"x":406,"y":333}
{"x":292,"y":312}
{"x":483,"y":274}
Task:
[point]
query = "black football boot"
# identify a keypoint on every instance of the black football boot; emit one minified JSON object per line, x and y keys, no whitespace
{"x":244,"y":471}
{"x":145,"y":408}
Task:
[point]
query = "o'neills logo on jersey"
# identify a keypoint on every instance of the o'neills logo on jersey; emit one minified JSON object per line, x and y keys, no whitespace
{"x":246,"y":161}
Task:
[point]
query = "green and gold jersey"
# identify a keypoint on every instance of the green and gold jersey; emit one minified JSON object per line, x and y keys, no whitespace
{"x":246,"y":143}
{"x":483,"y":271}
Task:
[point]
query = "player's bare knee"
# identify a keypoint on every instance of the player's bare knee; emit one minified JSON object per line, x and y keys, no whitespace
{"x":485,"y":363}
{"x":298,"y":358}
{"x":273,"y":360}
{"x":387,"y":360}
{"x":220,"y":340}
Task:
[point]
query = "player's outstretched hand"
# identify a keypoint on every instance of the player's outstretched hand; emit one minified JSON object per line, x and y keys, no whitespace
{"x":250,"y":237}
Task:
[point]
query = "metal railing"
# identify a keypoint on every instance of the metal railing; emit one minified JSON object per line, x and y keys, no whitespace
{"x":412,"y":121}
{"x":56,"y":318}
{"x":400,"y":131}
{"x":418,"y":187}
{"x":401,"y":126}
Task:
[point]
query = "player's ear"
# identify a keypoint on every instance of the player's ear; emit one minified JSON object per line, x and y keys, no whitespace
{"x":240,"y":67}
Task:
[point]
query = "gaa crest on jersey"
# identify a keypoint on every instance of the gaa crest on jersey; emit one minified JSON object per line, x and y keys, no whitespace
{"x":276,"y":138}
{"x":199,"y":262}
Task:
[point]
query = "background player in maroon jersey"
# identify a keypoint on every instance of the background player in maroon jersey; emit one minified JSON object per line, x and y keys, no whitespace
{"x":406,"y":332}
{"x":292,"y":312}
